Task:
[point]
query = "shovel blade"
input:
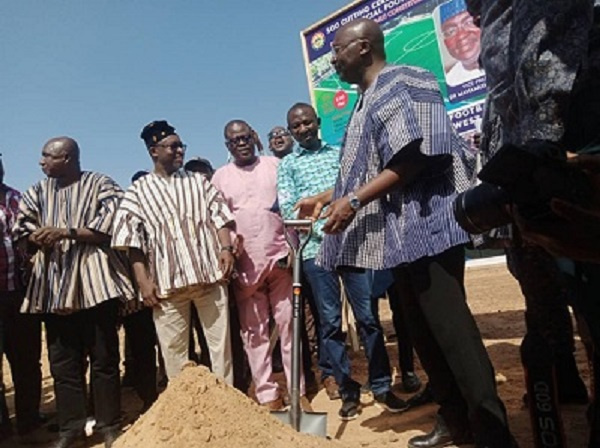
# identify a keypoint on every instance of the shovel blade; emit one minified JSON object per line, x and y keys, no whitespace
{"x":314,"y":423}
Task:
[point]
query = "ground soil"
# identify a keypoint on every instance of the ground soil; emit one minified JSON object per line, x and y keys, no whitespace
{"x":198,"y":410}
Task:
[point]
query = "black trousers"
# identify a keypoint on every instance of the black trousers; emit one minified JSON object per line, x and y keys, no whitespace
{"x":406,"y":359}
{"x":450,"y":348}
{"x":141,"y":334}
{"x":70,"y":338}
{"x":21,"y":342}
{"x":241,"y":369}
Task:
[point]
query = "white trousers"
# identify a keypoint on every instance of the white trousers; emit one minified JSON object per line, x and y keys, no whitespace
{"x":172,"y":321}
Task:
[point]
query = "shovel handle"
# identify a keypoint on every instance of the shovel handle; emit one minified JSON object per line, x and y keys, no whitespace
{"x":299,"y":244}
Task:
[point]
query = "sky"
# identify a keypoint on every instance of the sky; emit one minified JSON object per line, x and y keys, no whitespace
{"x":98,"y":71}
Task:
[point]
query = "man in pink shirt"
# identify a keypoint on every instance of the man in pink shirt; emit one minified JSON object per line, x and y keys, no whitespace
{"x":264,"y":281}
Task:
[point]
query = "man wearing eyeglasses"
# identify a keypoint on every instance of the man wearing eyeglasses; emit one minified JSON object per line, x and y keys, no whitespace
{"x":281,"y":142}
{"x":401,"y":167}
{"x":175,"y":227}
{"x":264,"y":281}
{"x":462,"y":40}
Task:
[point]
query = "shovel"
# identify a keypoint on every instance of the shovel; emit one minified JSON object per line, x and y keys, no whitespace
{"x":302,"y":421}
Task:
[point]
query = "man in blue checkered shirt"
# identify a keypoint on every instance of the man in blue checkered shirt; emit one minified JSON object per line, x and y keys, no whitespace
{"x":402,"y":165}
{"x":310,"y":169}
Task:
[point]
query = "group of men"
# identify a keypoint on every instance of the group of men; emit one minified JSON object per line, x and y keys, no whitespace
{"x":382,"y":202}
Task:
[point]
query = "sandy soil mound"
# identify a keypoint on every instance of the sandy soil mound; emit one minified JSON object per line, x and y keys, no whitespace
{"x":198,"y":409}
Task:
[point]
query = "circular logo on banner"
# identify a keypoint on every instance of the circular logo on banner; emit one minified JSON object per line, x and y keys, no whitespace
{"x":317,"y":40}
{"x":340,"y":99}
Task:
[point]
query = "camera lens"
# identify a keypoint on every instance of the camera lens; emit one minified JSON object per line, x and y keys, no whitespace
{"x":482,"y":208}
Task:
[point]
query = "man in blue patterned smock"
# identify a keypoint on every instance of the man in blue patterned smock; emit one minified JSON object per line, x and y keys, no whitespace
{"x":310,"y":169}
{"x":402,"y":165}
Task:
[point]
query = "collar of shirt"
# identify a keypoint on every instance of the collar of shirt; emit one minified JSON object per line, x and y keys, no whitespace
{"x":299,"y":150}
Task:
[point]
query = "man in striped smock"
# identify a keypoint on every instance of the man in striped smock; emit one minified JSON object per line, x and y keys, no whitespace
{"x":401,"y":167}
{"x":175,"y":226}
{"x":65,"y":221}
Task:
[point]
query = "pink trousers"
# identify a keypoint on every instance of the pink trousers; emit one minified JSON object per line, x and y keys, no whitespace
{"x":272,"y":296}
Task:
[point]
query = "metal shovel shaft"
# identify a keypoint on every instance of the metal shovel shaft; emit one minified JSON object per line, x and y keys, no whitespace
{"x":296,"y":316}
{"x":302,"y":421}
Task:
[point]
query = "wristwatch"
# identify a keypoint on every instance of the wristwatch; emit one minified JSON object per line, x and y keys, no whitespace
{"x":72,"y":233}
{"x":228,"y":249}
{"x":354,"y":202}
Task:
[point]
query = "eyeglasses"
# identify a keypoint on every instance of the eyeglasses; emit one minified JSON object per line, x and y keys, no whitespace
{"x":235,"y":141}
{"x":279,"y":133}
{"x":173,"y":146}
{"x":335,"y":51}
{"x":467,"y":24}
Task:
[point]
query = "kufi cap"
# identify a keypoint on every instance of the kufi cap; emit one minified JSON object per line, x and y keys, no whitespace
{"x":451,"y":8}
{"x":157,"y":130}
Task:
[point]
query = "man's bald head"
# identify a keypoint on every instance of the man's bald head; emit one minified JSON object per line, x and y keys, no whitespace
{"x":358,"y":52}
{"x":66,"y":145}
{"x":60,"y":159}
{"x":368,"y":30}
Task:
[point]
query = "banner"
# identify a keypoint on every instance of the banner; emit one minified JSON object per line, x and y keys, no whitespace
{"x":438,"y":35}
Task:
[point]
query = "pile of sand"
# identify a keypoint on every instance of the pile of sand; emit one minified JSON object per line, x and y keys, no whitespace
{"x":198,"y":409}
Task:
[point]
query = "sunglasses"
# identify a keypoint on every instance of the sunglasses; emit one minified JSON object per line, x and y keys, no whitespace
{"x":279,"y":133}
{"x":173,"y":146}
{"x":235,"y":141}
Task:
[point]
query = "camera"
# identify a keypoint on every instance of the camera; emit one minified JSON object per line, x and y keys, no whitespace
{"x":528,"y":177}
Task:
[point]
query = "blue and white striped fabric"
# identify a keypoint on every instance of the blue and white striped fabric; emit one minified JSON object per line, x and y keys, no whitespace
{"x":403,"y":105}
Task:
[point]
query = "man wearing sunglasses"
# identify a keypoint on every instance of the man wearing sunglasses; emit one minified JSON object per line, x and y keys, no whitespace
{"x":175,"y":227}
{"x":264,"y":281}
{"x":280,"y":141}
